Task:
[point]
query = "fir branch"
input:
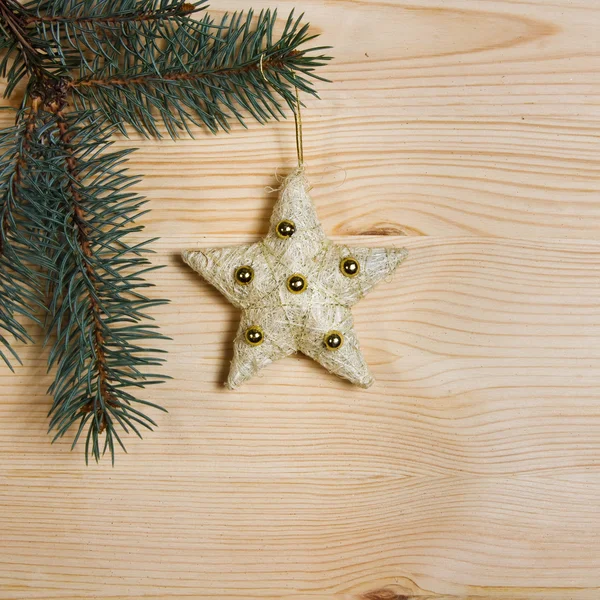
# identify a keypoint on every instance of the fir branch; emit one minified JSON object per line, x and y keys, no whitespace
{"x":97,"y":313}
{"x":205,"y":75}
{"x":78,"y":218}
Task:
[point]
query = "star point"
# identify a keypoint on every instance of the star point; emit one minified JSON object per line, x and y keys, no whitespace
{"x":295,"y":289}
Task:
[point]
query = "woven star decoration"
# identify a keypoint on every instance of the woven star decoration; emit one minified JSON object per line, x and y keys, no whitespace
{"x":295,"y":289}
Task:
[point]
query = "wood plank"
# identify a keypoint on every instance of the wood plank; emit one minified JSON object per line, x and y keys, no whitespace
{"x":469,"y":470}
{"x":491,"y":348}
{"x":171,"y":534}
{"x":444,"y":117}
{"x":467,"y":132}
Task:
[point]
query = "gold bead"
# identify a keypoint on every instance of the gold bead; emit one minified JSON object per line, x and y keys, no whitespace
{"x":349,"y":267}
{"x":254,"y":336}
{"x":244,"y":275}
{"x":285,"y":229}
{"x":333,"y":340}
{"x":296,"y":283}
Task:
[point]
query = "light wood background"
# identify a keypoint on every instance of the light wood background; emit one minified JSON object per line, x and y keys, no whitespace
{"x":468,"y":131}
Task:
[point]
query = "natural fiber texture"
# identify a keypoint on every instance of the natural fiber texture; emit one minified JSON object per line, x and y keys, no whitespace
{"x":292,"y":322}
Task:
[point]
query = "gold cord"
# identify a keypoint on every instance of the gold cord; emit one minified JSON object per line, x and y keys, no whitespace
{"x":298,"y":121}
{"x":297,"y":117}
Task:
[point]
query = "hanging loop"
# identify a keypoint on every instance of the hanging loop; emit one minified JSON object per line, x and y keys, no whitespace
{"x":297,"y":116}
{"x":298,"y":121}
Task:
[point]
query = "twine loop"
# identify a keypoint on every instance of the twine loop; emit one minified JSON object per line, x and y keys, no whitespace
{"x":297,"y":116}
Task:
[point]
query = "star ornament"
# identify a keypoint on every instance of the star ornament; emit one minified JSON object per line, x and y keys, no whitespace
{"x":295,"y":289}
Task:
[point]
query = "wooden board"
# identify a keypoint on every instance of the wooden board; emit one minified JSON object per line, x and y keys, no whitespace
{"x":468,"y":132}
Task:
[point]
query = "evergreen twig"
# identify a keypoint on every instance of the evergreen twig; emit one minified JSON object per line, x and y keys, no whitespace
{"x":206,"y":74}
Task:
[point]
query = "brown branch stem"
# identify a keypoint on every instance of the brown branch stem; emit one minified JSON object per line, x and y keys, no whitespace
{"x":177,"y":11}
{"x":79,"y":220}
{"x":177,"y":75}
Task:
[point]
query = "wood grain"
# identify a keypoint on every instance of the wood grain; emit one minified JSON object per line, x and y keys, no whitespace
{"x":445,"y":118}
{"x":468,"y":132}
{"x":472,"y":462}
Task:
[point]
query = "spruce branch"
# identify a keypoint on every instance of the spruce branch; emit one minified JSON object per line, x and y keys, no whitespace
{"x":206,"y":74}
{"x":96,"y":315}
